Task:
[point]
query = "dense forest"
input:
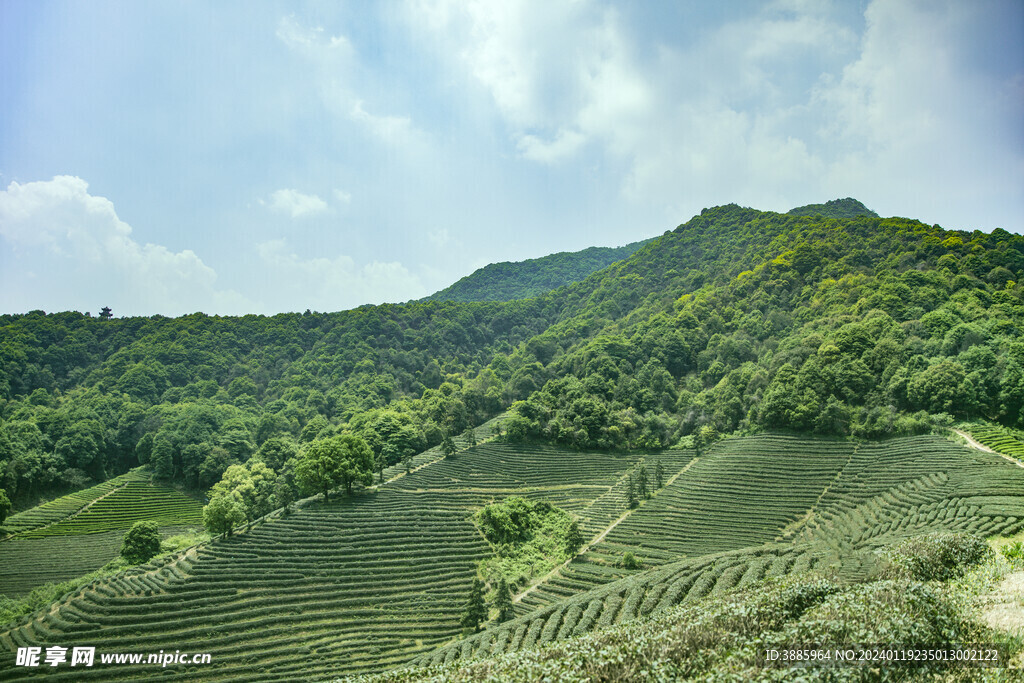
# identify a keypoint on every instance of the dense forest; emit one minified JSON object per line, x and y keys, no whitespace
{"x":507,"y":281}
{"x":737,"y":320}
{"x":834,"y":208}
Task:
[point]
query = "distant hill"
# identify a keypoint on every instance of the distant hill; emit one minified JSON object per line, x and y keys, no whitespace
{"x":836,"y":208}
{"x":507,"y":281}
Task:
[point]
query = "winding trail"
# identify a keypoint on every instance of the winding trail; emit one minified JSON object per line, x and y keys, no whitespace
{"x":982,"y":447}
{"x":1003,"y":609}
{"x":597,"y":539}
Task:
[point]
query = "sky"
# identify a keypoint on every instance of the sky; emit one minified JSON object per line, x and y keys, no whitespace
{"x":264,"y":157}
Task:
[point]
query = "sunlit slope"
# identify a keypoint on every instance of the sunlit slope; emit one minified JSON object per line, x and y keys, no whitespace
{"x":378,"y":580}
{"x":361,"y":584}
{"x":741,"y":493}
{"x":90,"y":535}
{"x":882,"y":492}
{"x":55,"y":510}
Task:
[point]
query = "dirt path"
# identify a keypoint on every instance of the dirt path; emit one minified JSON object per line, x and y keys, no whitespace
{"x":1004,"y":609}
{"x":982,"y":447}
{"x":594,"y":541}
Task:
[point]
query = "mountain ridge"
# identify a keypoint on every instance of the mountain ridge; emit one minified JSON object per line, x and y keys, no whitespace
{"x":508,"y":280}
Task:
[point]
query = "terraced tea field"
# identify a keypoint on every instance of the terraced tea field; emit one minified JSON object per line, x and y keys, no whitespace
{"x":365,"y":582}
{"x":378,"y":580}
{"x":91,"y":535}
{"x":876,"y":494}
{"x":60,"y":508}
{"x":119,"y":509}
{"x":28,"y":563}
{"x":1006,"y":441}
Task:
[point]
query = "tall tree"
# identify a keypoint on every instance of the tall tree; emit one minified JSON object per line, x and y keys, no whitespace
{"x":338,"y":461}
{"x":641,"y":482}
{"x":704,"y":437}
{"x":476,"y":610}
{"x":503,"y":601}
{"x":448,"y":446}
{"x":659,"y":475}
{"x":573,"y":538}
{"x":223,"y":512}
{"x":631,"y":500}
{"x":5,"y":505}
{"x":470,"y":436}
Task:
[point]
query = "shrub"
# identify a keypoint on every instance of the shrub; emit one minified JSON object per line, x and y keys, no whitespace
{"x":935,"y":557}
{"x":1014,"y":551}
{"x":631,"y":561}
{"x":893,"y":611}
{"x":141,"y":542}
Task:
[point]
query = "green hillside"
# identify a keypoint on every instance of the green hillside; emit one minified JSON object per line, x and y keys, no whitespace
{"x":89,"y":531}
{"x":832,"y":353}
{"x":377,"y":580}
{"x":506,"y":281}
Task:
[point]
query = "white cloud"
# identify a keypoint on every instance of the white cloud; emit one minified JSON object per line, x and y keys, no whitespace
{"x":69,"y":249}
{"x":332,"y":284}
{"x":440,"y":237}
{"x":296,"y":203}
{"x":919,"y":125}
{"x":342,"y":197}
{"x":313,"y":42}
{"x":772,"y":108}
{"x":337,"y":75}
{"x":394,"y":130}
{"x":564,"y":145}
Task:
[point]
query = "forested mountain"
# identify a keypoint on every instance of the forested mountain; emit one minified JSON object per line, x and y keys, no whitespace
{"x":738,"y":319}
{"x":835,"y":208}
{"x":557,"y":457}
{"x":506,"y":281}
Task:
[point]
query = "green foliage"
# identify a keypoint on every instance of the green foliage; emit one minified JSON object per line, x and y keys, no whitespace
{"x":935,"y":557}
{"x":511,"y":521}
{"x":835,"y":208}
{"x":573,"y":538}
{"x":529,"y":538}
{"x":507,"y":281}
{"x":5,"y":506}
{"x":141,"y":542}
{"x":448,"y":446}
{"x":723,"y":638}
{"x":1014,"y":551}
{"x":630,"y":561}
{"x":631,"y":500}
{"x":475,"y":611}
{"x":399,"y":560}
{"x":337,"y":461}
{"x":502,"y":601}
{"x":224,"y":512}
{"x":814,"y":323}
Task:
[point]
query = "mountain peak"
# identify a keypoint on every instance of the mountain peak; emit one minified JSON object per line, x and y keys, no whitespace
{"x":836,"y":208}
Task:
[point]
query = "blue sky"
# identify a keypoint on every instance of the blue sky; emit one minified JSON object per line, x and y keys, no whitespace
{"x":258,"y":157}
